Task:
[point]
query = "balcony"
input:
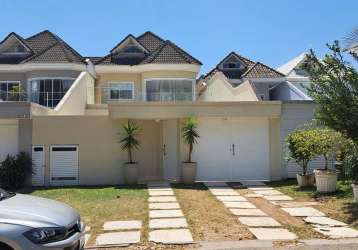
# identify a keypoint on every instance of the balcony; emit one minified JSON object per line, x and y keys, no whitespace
{"x":107,"y":94}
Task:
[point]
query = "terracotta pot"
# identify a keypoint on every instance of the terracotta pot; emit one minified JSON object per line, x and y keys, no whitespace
{"x":131,"y":173}
{"x":305,"y":180}
{"x":189,"y":172}
{"x":326,"y":181}
{"x":355,"y":191}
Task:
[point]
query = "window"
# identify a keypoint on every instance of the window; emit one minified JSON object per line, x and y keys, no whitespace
{"x":49,"y":92}
{"x":231,"y":65}
{"x":120,"y":91}
{"x":17,"y":48}
{"x":10,"y":91}
{"x":169,"y":90}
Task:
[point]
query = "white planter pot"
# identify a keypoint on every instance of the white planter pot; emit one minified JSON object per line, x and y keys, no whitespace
{"x":326,"y":181}
{"x":305,"y":180}
{"x":189,"y":172}
{"x":355,"y":192}
{"x":131,"y":173}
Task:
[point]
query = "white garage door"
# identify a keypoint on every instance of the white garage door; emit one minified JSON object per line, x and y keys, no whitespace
{"x":232,"y":149}
{"x":64,"y":165}
{"x":9,"y":131}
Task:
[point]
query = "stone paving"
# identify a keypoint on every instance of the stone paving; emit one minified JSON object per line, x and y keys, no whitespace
{"x":167,"y":224}
{"x":322,"y":224}
{"x":248,"y":214}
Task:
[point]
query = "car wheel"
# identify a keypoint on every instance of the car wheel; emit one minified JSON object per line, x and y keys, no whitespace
{"x":4,"y":246}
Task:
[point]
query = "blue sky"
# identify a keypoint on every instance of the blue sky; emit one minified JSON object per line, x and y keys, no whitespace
{"x":268,"y":31}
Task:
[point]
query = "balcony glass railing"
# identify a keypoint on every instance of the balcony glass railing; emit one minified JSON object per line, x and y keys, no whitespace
{"x":103,"y":95}
{"x":12,"y":96}
{"x":47,"y":99}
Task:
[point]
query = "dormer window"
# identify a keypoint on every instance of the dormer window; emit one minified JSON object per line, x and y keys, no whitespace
{"x":231,"y":65}
{"x":131,"y":48}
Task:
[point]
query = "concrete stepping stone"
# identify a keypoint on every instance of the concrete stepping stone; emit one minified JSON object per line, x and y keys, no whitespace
{"x":231,"y":198}
{"x":160,"y":189}
{"x":247,"y":212}
{"x":259,"y":222}
{"x":164,"y":205}
{"x":165,"y":213}
{"x":225,"y":193}
{"x":297,"y":203}
{"x":220,"y":188}
{"x":171,"y":236}
{"x":338,"y":232}
{"x":260,"y":188}
{"x":119,"y":238}
{"x":268,"y":192}
{"x":167,"y":223}
{"x":87,"y":229}
{"x":162,"y":199}
{"x":324,"y":221}
{"x":278,"y":198}
{"x":161,"y":193}
{"x":238,"y":204}
{"x":122,"y":225}
{"x":272,"y":234}
{"x":216,"y":184}
{"x":253,"y":195}
{"x":252,"y":183}
{"x":303,"y":211}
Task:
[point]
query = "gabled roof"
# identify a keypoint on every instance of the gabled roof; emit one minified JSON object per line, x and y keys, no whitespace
{"x":19,"y":38}
{"x":260,"y":70}
{"x":252,"y":69}
{"x":158,"y":51}
{"x":47,"y":47}
{"x":126,"y":39}
{"x":292,"y":64}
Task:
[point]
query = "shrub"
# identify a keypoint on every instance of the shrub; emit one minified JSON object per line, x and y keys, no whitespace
{"x":14,"y":170}
{"x":302,"y":147}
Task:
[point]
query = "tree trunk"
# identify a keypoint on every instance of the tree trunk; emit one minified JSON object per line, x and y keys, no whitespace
{"x":130,"y":155}
{"x":190,"y":151}
{"x":325,"y":162}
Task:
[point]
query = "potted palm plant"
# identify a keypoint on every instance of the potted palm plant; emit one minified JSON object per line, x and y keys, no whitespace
{"x":302,"y":151}
{"x":190,"y":136}
{"x":129,"y":142}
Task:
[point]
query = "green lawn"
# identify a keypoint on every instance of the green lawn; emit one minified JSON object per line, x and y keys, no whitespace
{"x":338,"y":205}
{"x":99,"y":204}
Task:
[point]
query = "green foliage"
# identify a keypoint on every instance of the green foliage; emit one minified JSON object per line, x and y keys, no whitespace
{"x":302,"y":147}
{"x":335,"y":88}
{"x":190,"y":134}
{"x":14,"y":170}
{"x":129,"y":139}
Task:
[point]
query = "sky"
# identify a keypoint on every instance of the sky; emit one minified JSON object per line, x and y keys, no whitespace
{"x":271,"y":32}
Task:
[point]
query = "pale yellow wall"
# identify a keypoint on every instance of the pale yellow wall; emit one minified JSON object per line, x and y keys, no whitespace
{"x":137,"y":78}
{"x":100,"y":156}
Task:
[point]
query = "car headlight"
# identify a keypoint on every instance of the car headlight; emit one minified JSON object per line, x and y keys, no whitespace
{"x":46,"y":235}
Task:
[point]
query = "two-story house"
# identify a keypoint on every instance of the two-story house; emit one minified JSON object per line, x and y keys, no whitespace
{"x":66,"y":110}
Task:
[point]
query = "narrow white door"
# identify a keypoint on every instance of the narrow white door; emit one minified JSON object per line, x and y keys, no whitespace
{"x":38,"y":160}
{"x":64,"y":165}
{"x":170,"y":149}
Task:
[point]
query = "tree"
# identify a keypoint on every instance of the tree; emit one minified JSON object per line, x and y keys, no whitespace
{"x":190,"y":135}
{"x":129,"y":140}
{"x":302,"y":146}
{"x":334,"y":87}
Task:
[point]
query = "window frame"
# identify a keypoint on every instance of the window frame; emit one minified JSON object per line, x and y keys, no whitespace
{"x":18,"y":82}
{"x":119,"y":82}
{"x":29,"y":85}
{"x":193,"y":81}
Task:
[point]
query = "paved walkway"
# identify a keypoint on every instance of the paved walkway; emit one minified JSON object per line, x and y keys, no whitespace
{"x":322,"y":224}
{"x":260,"y":224}
{"x":167,"y":224}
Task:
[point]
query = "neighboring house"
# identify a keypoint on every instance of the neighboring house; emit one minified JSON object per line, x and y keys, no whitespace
{"x":66,"y":110}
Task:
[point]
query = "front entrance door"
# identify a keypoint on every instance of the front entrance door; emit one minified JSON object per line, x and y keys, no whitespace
{"x":38,"y":159}
{"x":170,"y":149}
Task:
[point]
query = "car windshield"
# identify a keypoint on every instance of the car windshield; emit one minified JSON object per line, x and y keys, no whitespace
{"x":4,"y":195}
